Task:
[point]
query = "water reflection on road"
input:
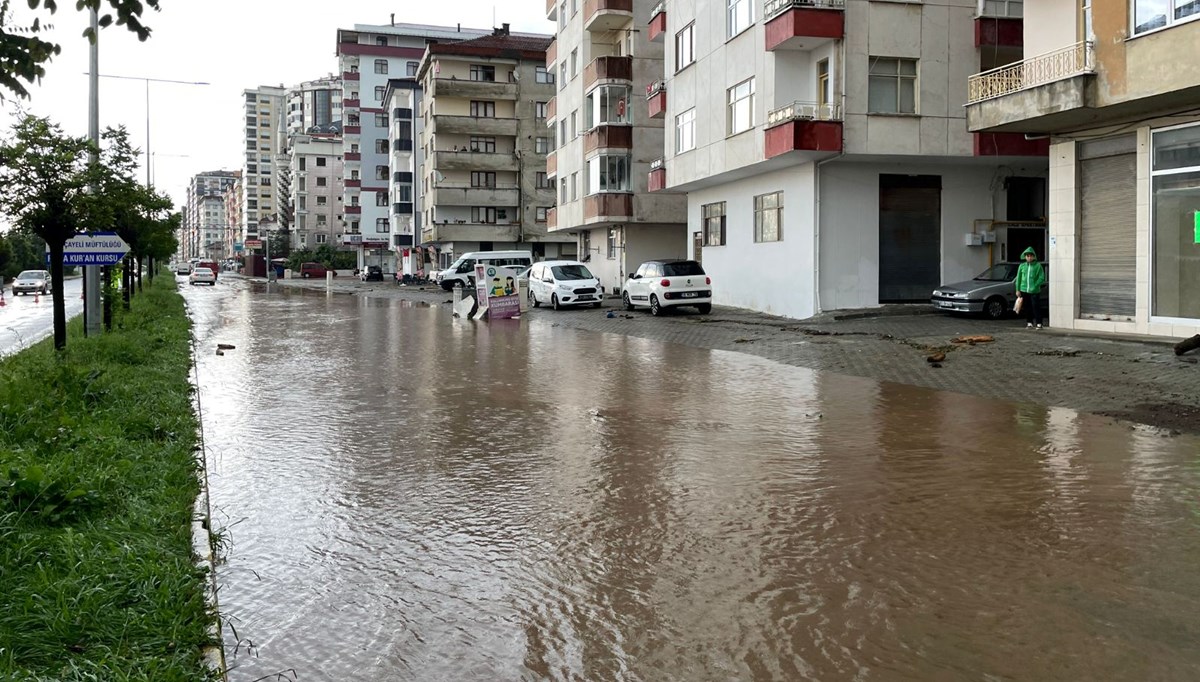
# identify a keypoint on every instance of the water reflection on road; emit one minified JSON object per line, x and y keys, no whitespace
{"x":412,"y":497}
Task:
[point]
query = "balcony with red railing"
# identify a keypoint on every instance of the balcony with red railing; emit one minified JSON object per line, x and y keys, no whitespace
{"x":606,"y":15}
{"x":608,"y":137}
{"x":353,"y":183}
{"x":814,"y":129}
{"x":657,"y":178}
{"x":350,"y":75}
{"x":353,"y":156}
{"x":658,"y":23}
{"x":656,"y":99}
{"x":352,"y":130}
{"x":351,"y":103}
{"x":353,"y":210}
{"x":803,"y":24}
{"x":607,"y":69}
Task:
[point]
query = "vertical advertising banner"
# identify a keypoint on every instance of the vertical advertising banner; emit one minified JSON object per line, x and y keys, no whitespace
{"x":503,"y":293}
{"x":481,"y":286}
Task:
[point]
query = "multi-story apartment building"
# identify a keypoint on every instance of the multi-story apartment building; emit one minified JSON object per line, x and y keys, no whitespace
{"x":233,"y":214}
{"x":823,"y":148}
{"x":206,"y":234}
{"x":605,"y":146}
{"x":315,"y":186}
{"x":368,"y":57}
{"x":403,"y":100}
{"x":484,"y":143}
{"x":265,"y":114}
{"x":1113,"y":84}
{"x":315,"y":107}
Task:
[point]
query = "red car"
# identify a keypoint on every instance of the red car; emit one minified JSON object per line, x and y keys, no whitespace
{"x":308,"y":270}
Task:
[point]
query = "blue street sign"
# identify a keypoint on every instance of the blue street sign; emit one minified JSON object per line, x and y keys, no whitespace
{"x":95,"y":248}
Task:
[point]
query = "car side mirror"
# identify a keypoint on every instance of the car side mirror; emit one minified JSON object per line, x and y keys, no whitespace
{"x":635,"y":276}
{"x":548,"y":280}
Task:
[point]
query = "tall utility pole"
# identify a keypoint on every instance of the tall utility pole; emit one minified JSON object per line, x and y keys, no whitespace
{"x":91,"y":273}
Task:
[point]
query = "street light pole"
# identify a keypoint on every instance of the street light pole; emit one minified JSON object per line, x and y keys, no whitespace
{"x":91,"y":273}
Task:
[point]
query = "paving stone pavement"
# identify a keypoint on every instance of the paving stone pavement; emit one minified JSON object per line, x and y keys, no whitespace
{"x":1138,"y":380}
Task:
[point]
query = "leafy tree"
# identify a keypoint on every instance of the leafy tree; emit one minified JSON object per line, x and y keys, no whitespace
{"x":23,"y":55}
{"x":26,"y":252}
{"x":45,"y":173}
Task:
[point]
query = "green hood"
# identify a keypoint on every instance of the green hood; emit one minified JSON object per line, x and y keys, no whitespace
{"x":1028,"y":251}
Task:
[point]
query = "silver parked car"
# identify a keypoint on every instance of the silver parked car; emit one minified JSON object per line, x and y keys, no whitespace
{"x":32,"y":282}
{"x":991,"y":293}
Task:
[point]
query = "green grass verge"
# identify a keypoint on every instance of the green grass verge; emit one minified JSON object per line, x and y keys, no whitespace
{"x":98,"y":479}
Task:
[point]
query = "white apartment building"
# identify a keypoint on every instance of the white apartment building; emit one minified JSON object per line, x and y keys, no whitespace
{"x":205,"y":233}
{"x":368,"y":57}
{"x":315,"y":107}
{"x":484,"y":144}
{"x":603,"y":60}
{"x":315,"y":186}
{"x":264,"y":112}
{"x":824,"y":150}
{"x":404,"y":100}
{"x":1114,"y":85}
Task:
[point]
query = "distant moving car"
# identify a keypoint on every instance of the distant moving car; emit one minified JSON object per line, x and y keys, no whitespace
{"x":561,"y":283}
{"x":664,"y":284}
{"x":182,"y":268}
{"x":308,"y":270}
{"x":992,"y":292}
{"x":32,"y":282}
{"x":203,"y":276}
{"x":371,"y":273}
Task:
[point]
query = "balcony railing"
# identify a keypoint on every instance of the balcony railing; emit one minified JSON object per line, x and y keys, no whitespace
{"x":1061,"y":64}
{"x":655,"y":88}
{"x":773,"y":8}
{"x":804,"y":111}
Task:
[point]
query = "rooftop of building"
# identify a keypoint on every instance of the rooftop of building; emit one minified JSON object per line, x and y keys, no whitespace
{"x":499,"y":43}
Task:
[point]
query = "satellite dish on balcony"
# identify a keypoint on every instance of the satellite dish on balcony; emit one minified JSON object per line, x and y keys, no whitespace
{"x":437,"y":175}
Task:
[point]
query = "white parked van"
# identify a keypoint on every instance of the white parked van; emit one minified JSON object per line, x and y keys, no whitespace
{"x":559,"y":283}
{"x":461,"y":272}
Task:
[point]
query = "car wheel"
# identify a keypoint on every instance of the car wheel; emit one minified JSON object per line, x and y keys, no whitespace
{"x":447,"y":287}
{"x":626,"y":302}
{"x":304,"y":275}
{"x":995,"y":307}
{"x":459,"y":283}
{"x":533,"y":300}
{"x":655,"y":309}
{"x":554,"y":302}
{"x":704,"y":308}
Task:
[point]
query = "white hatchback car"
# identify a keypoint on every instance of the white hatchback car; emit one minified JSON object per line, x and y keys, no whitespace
{"x":563,"y":282}
{"x":662,"y":284}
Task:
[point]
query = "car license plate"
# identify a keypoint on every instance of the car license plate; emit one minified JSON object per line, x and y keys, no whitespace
{"x":945,"y":304}
{"x":689,"y":294}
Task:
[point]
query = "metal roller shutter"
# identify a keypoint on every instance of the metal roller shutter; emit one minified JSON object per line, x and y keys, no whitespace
{"x":910,"y":237}
{"x":1108,"y":227}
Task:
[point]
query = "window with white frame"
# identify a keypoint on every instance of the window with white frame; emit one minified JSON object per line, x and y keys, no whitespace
{"x":768,"y":217}
{"x":1151,"y":14}
{"x":609,"y":173}
{"x":740,"y":108}
{"x":607,"y":105}
{"x":892,"y":86}
{"x":1175,"y":223}
{"x":685,"y":46}
{"x":685,"y":131}
{"x":614,"y":242}
{"x":739,"y":16}
{"x":714,"y":223}
{"x":321,"y":238}
{"x":1001,"y":8}
{"x":382,"y":225}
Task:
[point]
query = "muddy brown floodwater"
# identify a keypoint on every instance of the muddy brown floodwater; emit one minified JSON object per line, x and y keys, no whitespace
{"x":411,"y":497}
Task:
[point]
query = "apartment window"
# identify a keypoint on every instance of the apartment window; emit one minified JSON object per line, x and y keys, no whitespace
{"x":540,"y":109}
{"x":574,"y":186}
{"x":1175,"y":227}
{"x":483,"y":214}
{"x":541,"y":145}
{"x":321,"y":161}
{"x":404,"y":193}
{"x":322,"y":182}
{"x":685,"y":131}
{"x":381,"y":120}
{"x":542,"y":182}
{"x":562,"y":184}
{"x":740,"y":16}
{"x":381,"y":147}
{"x":606,"y":105}
{"x":379,"y":90}
{"x":380,"y":66}
{"x":382,"y":225}
{"x":542,"y":75}
{"x":768,"y":217}
{"x":741,"y":107}
{"x":574,"y":127}
{"x":484,"y":109}
{"x":381,"y":199}
{"x":410,"y":69}
{"x":1151,"y":14}
{"x":1000,"y":8}
{"x":354,"y":175}
{"x":540,"y":214}
{"x":321,"y":238}
{"x":354,"y":148}
{"x":483,"y":144}
{"x":381,"y":172}
{"x":574,"y":62}
{"x":322,"y":200}
{"x":824,"y":91}
{"x":381,"y":40}
{"x":685,"y":46}
{"x":482,"y":72}
{"x":483,"y":179}
{"x":562,"y":75}
{"x":892,"y":86}
{"x":608,"y":173}
{"x":562,"y":14}
{"x":613,"y":238}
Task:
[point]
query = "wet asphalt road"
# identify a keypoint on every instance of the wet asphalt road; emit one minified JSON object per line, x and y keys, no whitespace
{"x":25,"y":320}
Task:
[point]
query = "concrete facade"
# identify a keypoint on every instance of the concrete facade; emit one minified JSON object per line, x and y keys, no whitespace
{"x":603,"y":61}
{"x":316,"y":188}
{"x":821,"y":141}
{"x":484,"y":148}
{"x":265,"y":114}
{"x":205,"y":232}
{"x":1135,"y":83}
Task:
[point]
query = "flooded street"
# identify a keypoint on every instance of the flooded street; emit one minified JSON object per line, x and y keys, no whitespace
{"x":412,"y":497}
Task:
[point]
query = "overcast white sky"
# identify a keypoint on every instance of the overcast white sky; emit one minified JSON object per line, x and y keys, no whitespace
{"x":232,"y":44}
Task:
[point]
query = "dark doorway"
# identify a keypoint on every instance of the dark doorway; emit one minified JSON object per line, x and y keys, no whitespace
{"x":1026,"y":199}
{"x":910,"y":237}
{"x":1021,"y":238}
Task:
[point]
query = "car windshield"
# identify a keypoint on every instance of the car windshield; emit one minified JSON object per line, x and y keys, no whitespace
{"x":686,"y":268}
{"x":568,"y":273}
{"x":1001,"y":272}
{"x":32,"y":274}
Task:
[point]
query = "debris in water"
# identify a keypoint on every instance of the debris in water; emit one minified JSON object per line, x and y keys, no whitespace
{"x":220,"y":352}
{"x":936,"y":357}
{"x":743,"y":340}
{"x":972,"y":339}
{"x":225,"y":346}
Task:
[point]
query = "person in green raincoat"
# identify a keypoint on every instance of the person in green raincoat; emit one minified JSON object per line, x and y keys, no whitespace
{"x":1031,"y":277}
